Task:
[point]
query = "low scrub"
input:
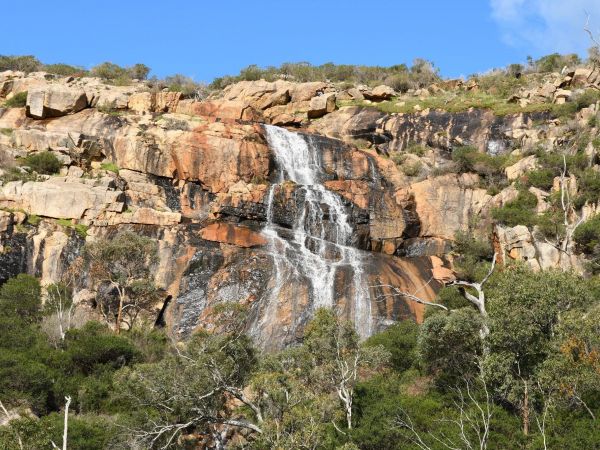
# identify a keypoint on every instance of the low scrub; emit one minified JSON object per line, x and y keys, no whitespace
{"x":43,"y":163}
{"x":16,"y":101}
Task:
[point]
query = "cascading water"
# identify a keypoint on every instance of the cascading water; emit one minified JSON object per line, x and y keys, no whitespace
{"x":320,"y":243}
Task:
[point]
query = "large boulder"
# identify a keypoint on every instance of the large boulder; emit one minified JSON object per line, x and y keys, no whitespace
{"x":379,"y":93}
{"x":55,"y":101}
{"x":321,"y":105}
{"x":521,"y":167}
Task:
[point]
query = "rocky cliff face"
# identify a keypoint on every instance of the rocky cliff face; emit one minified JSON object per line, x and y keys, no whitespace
{"x":236,"y":218}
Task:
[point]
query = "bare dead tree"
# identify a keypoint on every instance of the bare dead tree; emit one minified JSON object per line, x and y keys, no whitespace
{"x":593,"y":38}
{"x":477,"y":300}
{"x":571,"y":218}
{"x":66,"y":426}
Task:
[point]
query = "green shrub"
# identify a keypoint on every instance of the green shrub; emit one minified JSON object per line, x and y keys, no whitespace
{"x":519,"y":211}
{"x":85,"y":432}
{"x":551,"y":224}
{"x":412,"y":169}
{"x":416,"y":149}
{"x":94,"y":347}
{"x":587,"y":235}
{"x":108,"y":71}
{"x":472,"y":251}
{"x":139,"y":71}
{"x":23,"y":63}
{"x":500,"y":83}
{"x":400,"y":340}
{"x":17,"y":174}
{"x":18,"y":100}
{"x":33,"y":219}
{"x":79,"y":228}
{"x":469,"y":159}
{"x":44,"y":162}
{"x":541,"y":178}
{"x":65,"y":69}
{"x":577,"y":103}
{"x":21,"y":297}
{"x":555,"y":62}
{"x":588,"y":187}
{"x":399,"y":76}
{"x":110,"y":167}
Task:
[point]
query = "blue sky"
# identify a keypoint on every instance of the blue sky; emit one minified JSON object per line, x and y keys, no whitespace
{"x":206,"y":39}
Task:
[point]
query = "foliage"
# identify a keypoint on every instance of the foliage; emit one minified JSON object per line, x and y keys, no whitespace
{"x":65,"y":70}
{"x":44,"y":162}
{"x":21,"y":297}
{"x":400,"y":340}
{"x":110,"y":167}
{"x":519,"y":211}
{"x":554,"y":62}
{"x":192,"y":385}
{"x":524,"y":314}
{"x":19,"y":100}
{"x":587,"y":235}
{"x":139,"y":390}
{"x":471,"y":252}
{"x":541,"y":178}
{"x":85,"y":432}
{"x":121,"y":268}
{"x":119,"y":75}
{"x":23,"y":63}
{"x":187,"y":86}
{"x":79,"y":228}
{"x":400,"y":77}
{"x":449,"y":346}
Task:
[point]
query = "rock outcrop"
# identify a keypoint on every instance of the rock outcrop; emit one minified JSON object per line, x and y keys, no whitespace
{"x":55,"y":101}
{"x":202,"y":179}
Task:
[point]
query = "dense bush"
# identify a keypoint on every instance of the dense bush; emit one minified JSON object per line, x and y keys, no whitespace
{"x":187,"y":86}
{"x":471,"y":252}
{"x":421,"y":73}
{"x":541,"y":178}
{"x":24,"y":63}
{"x":120,"y":75}
{"x":555,"y":62}
{"x":469,"y":159}
{"x":587,"y":235}
{"x":400,"y":340}
{"x":43,"y":163}
{"x":519,"y":211}
{"x":21,"y":297}
{"x":64,"y":69}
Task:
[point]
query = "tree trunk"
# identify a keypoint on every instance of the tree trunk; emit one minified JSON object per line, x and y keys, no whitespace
{"x":120,"y":311}
{"x":526,"y":411}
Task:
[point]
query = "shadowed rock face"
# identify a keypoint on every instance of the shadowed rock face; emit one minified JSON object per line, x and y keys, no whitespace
{"x":439,"y":129}
{"x":223,"y":273}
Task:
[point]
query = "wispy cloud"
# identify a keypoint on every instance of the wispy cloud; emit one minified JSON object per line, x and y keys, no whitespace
{"x":546,"y":26}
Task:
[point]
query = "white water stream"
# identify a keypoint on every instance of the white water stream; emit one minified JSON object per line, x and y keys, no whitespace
{"x":321,"y":236}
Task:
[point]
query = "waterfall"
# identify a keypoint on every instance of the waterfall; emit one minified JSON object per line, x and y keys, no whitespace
{"x":320,"y":242}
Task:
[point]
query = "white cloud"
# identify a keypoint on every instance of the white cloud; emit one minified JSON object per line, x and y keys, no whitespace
{"x":546,"y":26}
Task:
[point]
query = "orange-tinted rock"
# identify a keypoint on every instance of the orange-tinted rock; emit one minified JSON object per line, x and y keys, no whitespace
{"x":231,"y":234}
{"x":219,"y":155}
{"x":439,"y":272}
{"x":354,"y":190}
{"x":227,"y":110}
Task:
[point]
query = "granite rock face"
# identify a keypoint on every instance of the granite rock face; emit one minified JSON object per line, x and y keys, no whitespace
{"x":202,"y":179}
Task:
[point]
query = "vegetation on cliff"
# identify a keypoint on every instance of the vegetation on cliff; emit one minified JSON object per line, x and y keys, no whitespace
{"x":532,"y":382}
